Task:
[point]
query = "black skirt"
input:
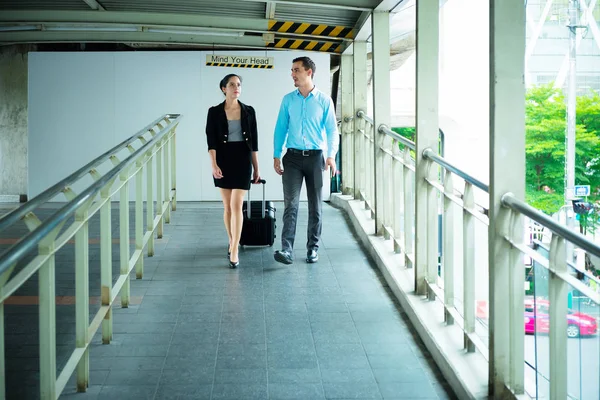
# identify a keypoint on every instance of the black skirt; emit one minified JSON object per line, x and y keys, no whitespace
{"x":235,"y":161}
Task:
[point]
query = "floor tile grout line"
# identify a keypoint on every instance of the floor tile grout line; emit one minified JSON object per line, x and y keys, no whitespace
{"x":262,"y":275}
{"x":212,"y":389}
{"x":168,"y":349}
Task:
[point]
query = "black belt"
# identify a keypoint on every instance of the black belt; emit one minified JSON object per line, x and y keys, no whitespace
{"x":305,"y":153}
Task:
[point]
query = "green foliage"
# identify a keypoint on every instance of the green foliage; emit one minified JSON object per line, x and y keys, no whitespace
{"x":546,"y":202}
{"x":545,"y":145}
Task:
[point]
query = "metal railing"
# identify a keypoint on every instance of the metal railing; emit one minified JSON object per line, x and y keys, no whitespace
{"x":156,"y":148}
{"x":460,"y":215}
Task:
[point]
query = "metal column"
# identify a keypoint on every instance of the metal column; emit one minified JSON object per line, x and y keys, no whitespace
{"x":427,"y":136}
{"x":381,"y":111}
{"x":507,"y":147}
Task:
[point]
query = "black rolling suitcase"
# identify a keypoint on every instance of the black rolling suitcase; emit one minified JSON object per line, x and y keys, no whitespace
{"x":259,"y":221}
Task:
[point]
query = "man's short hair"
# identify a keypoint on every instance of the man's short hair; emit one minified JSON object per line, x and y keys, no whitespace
{"x":307,"y":63}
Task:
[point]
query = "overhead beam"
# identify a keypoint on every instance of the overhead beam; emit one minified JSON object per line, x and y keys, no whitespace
{"x":132,"y":18}
{"x":123,"y":37}
{"x":94,"y":5}
{"x":363,"y":5}
{"x":388,"y":5}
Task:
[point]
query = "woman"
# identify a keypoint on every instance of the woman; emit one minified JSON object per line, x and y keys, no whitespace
{"x":232,"y":139}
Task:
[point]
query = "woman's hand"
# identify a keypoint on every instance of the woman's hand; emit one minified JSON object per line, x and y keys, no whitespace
{"x":217,"y":173}
{"x":255,"y":176}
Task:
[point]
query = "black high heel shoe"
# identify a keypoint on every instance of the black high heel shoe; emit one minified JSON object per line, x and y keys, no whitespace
{"x":228,"y":252}
{"x":233,"y":265}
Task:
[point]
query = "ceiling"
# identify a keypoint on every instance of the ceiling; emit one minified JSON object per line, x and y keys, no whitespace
{"x":310,"y":25}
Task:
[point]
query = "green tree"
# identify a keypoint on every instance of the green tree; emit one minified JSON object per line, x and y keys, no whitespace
{"x":545,"y":145}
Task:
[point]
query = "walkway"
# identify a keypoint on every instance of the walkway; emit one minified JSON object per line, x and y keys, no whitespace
{"x":198,"y":330}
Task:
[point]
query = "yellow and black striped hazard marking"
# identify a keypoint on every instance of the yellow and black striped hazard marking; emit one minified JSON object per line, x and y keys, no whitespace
{"x":311,"y":29}
{"x":309,"y":45}
{"x":216,"y":64}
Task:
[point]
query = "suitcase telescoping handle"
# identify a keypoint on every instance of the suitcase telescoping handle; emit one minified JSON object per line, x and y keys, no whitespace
{"x":263,"y":200}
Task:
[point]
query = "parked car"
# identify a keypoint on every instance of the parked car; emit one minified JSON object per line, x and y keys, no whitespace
{"x":537,"y":320}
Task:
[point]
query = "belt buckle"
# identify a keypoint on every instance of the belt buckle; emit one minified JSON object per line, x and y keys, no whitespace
{"x":306,"y":153}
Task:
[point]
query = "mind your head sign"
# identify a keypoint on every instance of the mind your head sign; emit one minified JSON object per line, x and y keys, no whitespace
{"x":220,"y":60}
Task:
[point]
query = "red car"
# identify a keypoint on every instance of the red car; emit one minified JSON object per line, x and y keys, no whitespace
{"x":538,"y":320}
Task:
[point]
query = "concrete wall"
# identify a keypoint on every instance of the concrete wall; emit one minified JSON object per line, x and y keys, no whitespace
{"x":13,"y":122}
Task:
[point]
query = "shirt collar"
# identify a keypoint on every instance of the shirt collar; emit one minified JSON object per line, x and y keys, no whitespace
{"x":313,"y":92}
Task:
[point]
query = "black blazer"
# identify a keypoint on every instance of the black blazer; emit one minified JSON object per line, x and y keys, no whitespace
{"x":217,"y":129}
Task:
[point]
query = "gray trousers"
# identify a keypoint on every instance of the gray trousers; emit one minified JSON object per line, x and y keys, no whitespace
{"x":297,"y":167}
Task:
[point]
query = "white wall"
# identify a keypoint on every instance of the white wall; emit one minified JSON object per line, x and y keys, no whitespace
{"x":82,"y":104}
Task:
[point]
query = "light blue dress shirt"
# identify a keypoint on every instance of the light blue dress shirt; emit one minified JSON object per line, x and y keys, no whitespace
{"x":306,"y":123}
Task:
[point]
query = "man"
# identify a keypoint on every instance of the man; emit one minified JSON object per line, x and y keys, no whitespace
{"x":307,"y":126}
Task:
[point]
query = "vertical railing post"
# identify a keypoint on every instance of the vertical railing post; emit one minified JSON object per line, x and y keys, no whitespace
{"x":371,"y":171}
{"x":174,"y":169}
{"x":124,"y":236}
{"x":448,"y":246}
{"x":82,"y":297}
{"x":47,"y":318}
{"x":139,"y":217}
{"x":150,"y":201}
{"x":432,"y":231}
{"x":468,"y":266}
{"x":409,"y":207}
{"x":348,"y":180}
{"x":516,"y":297}
{"x":106,"y":263}
{"x":397,"y":198}
{"x":167,"y":174}
{"x":388,"y":179}
{"x":380,"y":28}
{"x":558,"y":290}
{"x":360,"y":103}
{"x":364,"y":170}
{"x":159,"y":191}
{"x":507,"y":147}
{"x":105,"y":256}
{"x":427,"y":133}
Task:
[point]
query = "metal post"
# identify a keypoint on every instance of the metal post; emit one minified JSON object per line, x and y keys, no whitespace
{"x":571,"y":118}
{"x":159,"y":191}
{"x":82,"y":300}
{"x":167,"y":184}
{"x":139,"y":219}
{"x":427,"y":134}
{"x":507,"y":147}
{"x":47,"y":317}
{"x":106,"y":266}
{"x":448,"y":247}
{"x":558,"y":290}
{"x":174,"y":170}
{"x":380,"y":22}
{"x":348,"y":180}
{"x":150,"y":202}
{"x":124,"y":236}
{"x":360,"y":103}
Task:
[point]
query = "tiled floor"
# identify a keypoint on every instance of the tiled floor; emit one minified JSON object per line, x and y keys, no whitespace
{"x":198,"y":330}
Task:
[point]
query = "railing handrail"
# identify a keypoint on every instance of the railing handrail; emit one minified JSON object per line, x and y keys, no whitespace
{"x":20,"y":249}
{"x":429,"y":153}
{"x":569,"y":263}
{"x":363,"y":115}
{"x":509,"y":200}
{"x":394,"y":135}
{"x":20,"y":212}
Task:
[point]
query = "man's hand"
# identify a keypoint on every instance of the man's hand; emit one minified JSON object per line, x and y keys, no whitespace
{"x":330,"y":162}
{"x":277,"y":166}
